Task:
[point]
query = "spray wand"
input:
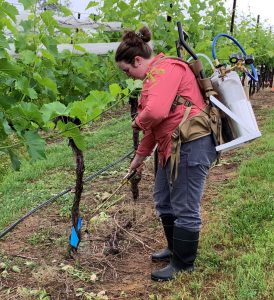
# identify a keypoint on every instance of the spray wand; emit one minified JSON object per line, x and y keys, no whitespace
{"x":126,"y":179}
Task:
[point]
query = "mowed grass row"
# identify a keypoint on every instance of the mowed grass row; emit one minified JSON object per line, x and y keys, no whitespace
{"x":236,"y":251}
{"x":36,"y":182}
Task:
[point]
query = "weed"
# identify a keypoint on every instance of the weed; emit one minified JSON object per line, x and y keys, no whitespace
{"x":41,"y":237}
{"x":28,"y":293}
{"x":65,"y":205}
{"x":61,"y":241}
{"x":77,"y":273}
{"x":80,"y":292}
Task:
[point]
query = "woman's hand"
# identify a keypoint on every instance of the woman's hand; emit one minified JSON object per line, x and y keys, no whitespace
{"x":135,"y":126}
{"x":136,"y":163}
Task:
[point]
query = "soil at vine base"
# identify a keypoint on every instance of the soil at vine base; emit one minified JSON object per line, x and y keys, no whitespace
{"x":116,"y":250}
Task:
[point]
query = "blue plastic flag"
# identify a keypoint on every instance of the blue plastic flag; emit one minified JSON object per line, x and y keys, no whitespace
{"x":74,"y":239}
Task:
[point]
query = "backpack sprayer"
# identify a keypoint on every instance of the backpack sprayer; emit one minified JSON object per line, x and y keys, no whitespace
{"x":239,"y":122}
{"x":234,"y":102}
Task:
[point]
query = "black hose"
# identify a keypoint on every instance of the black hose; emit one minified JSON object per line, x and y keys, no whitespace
{"x":109,"y":166}
{"x":64,"y":192}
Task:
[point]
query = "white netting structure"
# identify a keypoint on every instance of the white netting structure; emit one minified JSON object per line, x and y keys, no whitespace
{"x":72,"y":22}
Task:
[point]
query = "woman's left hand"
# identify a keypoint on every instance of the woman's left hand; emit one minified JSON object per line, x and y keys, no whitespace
{"x":135,"y":126}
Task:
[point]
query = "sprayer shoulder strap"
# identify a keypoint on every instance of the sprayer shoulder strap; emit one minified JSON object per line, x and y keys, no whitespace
{"x":196,"y":67}
{"x":169,"y":57}
{"x":176,"y":145}
{"x":179,"y":100}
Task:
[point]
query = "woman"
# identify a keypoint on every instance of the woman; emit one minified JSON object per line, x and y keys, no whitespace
{"x":177,"y":201}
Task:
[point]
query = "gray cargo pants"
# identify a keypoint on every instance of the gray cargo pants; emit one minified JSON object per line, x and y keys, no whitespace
{"x":182,"y":199}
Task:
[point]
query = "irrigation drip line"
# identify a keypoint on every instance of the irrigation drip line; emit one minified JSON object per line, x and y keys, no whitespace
{"x":64,"y":192}
{"x":93,"y":176}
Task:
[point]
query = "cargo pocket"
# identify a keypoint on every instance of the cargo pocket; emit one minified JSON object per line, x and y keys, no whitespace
{"x":200,"y":152}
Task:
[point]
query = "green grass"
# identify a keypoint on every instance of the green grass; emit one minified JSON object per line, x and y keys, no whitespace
{"x":37,"y":182}
{"x":236,"y":250}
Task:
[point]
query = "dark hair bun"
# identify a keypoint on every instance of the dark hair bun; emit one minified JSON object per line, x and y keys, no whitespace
{"x":145,"y":34}
{"x":136,"y":39}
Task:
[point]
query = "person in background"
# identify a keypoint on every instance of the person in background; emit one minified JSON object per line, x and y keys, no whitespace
{"x":180,"y":177}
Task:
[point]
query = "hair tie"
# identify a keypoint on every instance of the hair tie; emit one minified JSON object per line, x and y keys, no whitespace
{"x":139,"y":34}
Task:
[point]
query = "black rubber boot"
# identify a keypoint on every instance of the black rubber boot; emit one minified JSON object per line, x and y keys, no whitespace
{"x":185,"y":244}
{"x":165,"y":255}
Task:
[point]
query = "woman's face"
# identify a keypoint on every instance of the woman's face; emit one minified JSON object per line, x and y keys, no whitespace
{"x":136,"y":70}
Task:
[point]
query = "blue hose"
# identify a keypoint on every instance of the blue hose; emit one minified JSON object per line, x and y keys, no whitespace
{"x":254,"y":72}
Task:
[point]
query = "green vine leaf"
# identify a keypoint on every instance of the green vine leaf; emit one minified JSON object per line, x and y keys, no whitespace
{"x":134,"y":84}
{"x":71,"y":131}
{"x":3,"y":133}
{"x":47,"y":82}
{"x":3,"y":41}
{"x":7,"y":101}
{"x":27,"y":3}
{"x":67,"y":31}
{"x":92,"y":4}
{"x":67,"y":12}
{"x":79,"y":48}
{"x":27,"y":25}
{"x":35,"y":145}
{"x":48,"y":55}
{"x":97,"y":101}
{"x":9,"y":10}
{"x":25,"y":115}
{"x":10,"y":25}
{"x":22,"y":84}
{"x":81,"y":110}
{"x":27,"y":56}
{"x":115,"y":89}
{"x":50,"y":84}
{"x":52,"y":110}
{"x":32,"y":93}
{"x":9,"y":68}
{"x":125,"y":91}
{"x":49,"y":21}
{"x":14,"y":160}
{"x":31,"y":112}
{"x":50,"y":43}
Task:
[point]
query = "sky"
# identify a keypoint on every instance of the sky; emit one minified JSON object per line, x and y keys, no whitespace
{"x":265,"y":8}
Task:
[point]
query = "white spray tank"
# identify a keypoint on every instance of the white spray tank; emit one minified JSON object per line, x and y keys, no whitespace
{"x":233,"y":100}
{"x":234,"y":103}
